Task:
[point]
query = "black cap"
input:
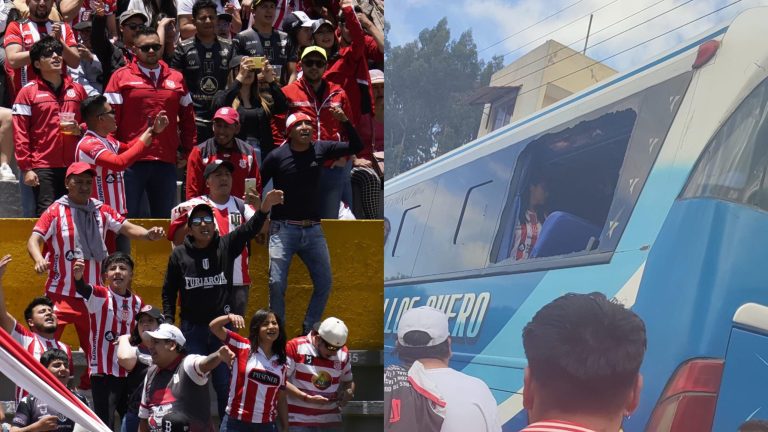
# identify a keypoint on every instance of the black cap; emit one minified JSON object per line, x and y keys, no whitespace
{"x":213,"y":166}
{"x":153,"y":312}
{"x":82,"y":25}
{"x":204,"y":207}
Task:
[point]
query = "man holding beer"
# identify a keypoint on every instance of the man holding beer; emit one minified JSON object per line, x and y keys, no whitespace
{"x":46,"y":114}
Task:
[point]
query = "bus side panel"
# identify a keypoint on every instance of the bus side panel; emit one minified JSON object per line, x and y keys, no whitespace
{"x":743,"y":393}
{"x":708,"y":259}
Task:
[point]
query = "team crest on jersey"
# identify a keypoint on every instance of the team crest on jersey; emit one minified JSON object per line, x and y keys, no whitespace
{"x":71,"y":93}
{"x":322,"y":380}
{"x":110,"y":178}
{"x":336,"y":364}
{"x":125,"y":314}
{"x":43,"y":409}
{"x":206,"y":263}
{"x":235,"y":219}
{"x":170,"y":84}
{"x":109,"y":336}
{"x":209,"y":85}
{"x":69,"y":255}
{"x":227,"y":309}
{"x":308,"y":359}
{"x":243,"y":163}
{"x":61,"y":417}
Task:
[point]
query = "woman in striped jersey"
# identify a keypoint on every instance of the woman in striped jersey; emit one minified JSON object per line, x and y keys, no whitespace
{"x":257,"y":396}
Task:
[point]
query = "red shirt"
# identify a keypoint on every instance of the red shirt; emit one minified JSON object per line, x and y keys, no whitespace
{"x":38,"y":140}
{"x":37,"y":345}
{"x":255,"y":383}
{"x":57,"y":228}
{"x":111,"y":316}
{"x":301,"y":97}
{"x":26,"y":34}
{"x":246,"y":166}
{"x":135,"y":99}
{"x":103,"y":154}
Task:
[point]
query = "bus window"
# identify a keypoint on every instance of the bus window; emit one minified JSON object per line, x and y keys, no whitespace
{"x":734,"y":167}
{"x":575,"y":186}
{"x":407,"y":212}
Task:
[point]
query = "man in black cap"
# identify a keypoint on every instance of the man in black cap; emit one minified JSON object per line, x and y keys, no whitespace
{"x":89,"y":74}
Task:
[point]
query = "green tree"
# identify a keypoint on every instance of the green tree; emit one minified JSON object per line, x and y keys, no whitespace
{"x":427,"y":82}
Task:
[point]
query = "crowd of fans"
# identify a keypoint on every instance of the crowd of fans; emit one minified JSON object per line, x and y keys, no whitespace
{"x":271,"y":114}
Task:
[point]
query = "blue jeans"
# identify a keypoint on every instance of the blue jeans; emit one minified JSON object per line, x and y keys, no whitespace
{"x":313,"y":429}
{"x":332,"y":185}
{"x":309,"y":244}
{"x":156,"y":180}
{"x":201,"y":341}
{"x":232,"y":425}
{"x":28,"y":202}
{"x":130,"y":422}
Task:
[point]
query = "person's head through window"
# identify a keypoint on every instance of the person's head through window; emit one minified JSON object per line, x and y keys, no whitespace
{"x":584,"y":354}
{"x":536,"y":196}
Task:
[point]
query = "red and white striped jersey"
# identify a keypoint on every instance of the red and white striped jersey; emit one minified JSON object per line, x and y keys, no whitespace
{"x":525,"y":236}
{"x":315,"y":375}
{"x":37,"y":345}
{"x":86,"y":11}
{"x":255,"y":383}
{"x":57,"y":227}
{"x":108,"y":185}
{"x":227,"y":217}
{"x":111,"y":316}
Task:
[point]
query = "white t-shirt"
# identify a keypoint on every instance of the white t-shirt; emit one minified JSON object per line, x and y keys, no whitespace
{"x":469,"y":403}
{"x":185,"y":6}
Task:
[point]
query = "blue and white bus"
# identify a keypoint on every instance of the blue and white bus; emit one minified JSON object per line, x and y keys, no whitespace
{"x":658,"y":192}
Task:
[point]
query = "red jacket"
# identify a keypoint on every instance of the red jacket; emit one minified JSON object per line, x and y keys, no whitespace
{"x":242,"y":156}
{"x":135,"y":99}
{"x":38,"y":141}
{"x":350,"y":68}
{"x":302,"y":98}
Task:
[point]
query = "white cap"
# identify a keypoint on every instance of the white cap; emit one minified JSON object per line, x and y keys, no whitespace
{"x":432,"y":321}
{"x":168,"y":332}
{"x":306,"y":21}
{"x":333,"y":331}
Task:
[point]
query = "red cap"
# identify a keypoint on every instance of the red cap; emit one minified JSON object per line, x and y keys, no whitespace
{"x":229,"y":115}
{"x":295,"y":118}
{"x":79,"y":168}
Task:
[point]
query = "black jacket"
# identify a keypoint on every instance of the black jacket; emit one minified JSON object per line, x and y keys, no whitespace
{"x":204,"y":276}
{"x":112,"y":57}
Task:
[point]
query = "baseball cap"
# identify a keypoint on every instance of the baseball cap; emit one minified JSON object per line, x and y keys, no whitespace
{"x":314,"y":48}
{"x":82,"y":25}
{"x":131,"y":13}
{"x":151,"y":311}
{"x":333,"y":331}
{"x":295,"y":118}
{"x":377,"y":76}
{"x":79,"y":168}
{"x":229,"y":115}
{"x":168,"y":332}
{"x":295,"y":20}
{"x":213,"y":166}
{"x":316,"y":24}
{"x":432,"y":321}
{"x":204,"y":207}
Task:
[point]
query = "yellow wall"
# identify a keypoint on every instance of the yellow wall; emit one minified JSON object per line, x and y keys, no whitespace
{"x":357,"y":259}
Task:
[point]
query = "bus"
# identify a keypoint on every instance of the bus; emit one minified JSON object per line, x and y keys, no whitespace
{"x":657,"y":188}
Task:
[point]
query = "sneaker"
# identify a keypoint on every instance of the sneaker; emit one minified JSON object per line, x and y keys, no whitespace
{"x":6,"y":174}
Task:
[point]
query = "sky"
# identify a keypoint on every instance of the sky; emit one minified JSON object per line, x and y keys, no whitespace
{"x":513,"y":27}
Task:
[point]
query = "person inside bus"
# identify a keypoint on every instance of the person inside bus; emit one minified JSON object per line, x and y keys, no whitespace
{"x":528,"y":225}
{"x":584,"y":354}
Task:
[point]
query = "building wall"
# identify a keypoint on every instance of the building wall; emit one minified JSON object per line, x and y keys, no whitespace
{"x":541,"y":74}
{"x":356,"y":249}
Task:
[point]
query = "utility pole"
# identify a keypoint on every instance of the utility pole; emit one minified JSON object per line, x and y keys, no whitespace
{"x":589,"y":28}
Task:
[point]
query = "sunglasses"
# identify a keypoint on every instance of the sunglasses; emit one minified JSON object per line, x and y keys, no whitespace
{"x":197,"y":221}
{"x":51,"y":51}
{"x":110,"y":112}
{"x":133,"y":26}
{"x":314,"y":63}
{"x":153,"y":47}
{"x":329,"y":347}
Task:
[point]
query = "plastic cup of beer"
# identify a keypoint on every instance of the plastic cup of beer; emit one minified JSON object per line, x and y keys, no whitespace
{"x":66,"y":123}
